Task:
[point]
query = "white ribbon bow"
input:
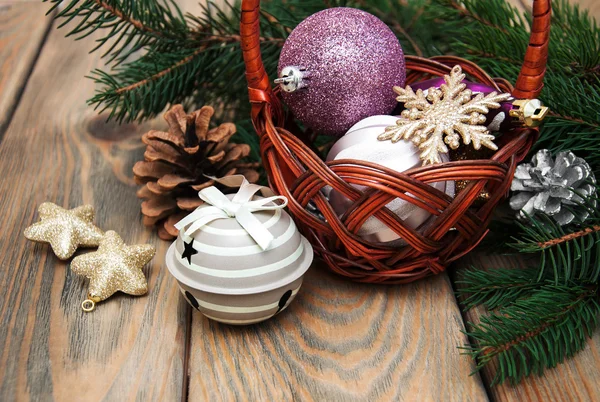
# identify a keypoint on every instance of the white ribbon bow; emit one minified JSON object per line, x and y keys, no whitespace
{"x":240,"y":207}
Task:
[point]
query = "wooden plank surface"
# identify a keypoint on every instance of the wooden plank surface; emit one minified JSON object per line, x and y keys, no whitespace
{"x":337,"y":341}
{"x":340,"y":341}
{"x":57,"y":149}
{"x":577,"y":379}
{"x":22,"y":31}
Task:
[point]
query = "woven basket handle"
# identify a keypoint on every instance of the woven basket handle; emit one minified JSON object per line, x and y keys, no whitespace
{"x":259,"y":86}
{"x":531,"y":78}
{"x":529,"y":83}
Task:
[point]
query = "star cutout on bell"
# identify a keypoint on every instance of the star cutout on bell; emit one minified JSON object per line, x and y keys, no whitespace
{"x":65,"y":229}
{"x":189,"y":251}
{"x":114,"y":267}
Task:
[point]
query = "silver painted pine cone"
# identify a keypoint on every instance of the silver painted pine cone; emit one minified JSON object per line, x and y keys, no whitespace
{"x":545,"y":186}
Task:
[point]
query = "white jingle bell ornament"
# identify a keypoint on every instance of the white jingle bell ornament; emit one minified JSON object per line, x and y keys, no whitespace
{"x":239,"y":258}
{"x":361,"y":143}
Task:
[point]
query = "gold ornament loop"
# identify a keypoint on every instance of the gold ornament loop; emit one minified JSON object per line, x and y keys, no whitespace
{"x":88,"y":305}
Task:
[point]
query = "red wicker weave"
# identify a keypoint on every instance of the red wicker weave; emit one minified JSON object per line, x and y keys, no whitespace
{"x":295,"y":171}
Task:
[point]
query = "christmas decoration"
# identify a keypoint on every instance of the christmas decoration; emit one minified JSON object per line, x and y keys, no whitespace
{"x":339,"y":66}
{"x":464,"y":153}
{"x":194,"y":61}
{"x":239,"y":258}
{"x":166,"y":72}
{"x":178,"y":162}
{"x":444,"y":115}
{"x":553,"y":186}
{"x":65,"y":230}
{"x":511,"y":114}
{"x":114,"y":267}
{"x":361,"y":143}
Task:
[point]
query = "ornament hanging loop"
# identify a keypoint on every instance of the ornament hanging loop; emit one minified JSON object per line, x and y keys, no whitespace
{"x":89,"y":304}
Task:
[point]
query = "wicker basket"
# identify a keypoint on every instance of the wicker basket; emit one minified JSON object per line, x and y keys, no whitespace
{"x":295,"y":171}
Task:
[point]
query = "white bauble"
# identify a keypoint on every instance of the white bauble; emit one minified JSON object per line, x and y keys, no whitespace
{"x":361,"y":143}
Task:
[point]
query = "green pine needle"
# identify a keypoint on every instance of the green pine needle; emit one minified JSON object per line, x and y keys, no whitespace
{"x":536,"y":332}
{"x":127,"y":25}
{"x":138,"y":90}
{"x":495,"y":288}
{"x":570,"y":253}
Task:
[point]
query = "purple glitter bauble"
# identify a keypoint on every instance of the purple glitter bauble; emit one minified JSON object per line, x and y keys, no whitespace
{"x":353,"y":60}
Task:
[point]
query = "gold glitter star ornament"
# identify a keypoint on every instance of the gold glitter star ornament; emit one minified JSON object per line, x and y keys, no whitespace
{"x":114,"y":267}
{"x":444,"y":116}
{"x":64,"y":229}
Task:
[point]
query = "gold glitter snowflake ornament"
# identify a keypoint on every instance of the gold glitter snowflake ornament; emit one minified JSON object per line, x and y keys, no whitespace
{"x":443,"y":117}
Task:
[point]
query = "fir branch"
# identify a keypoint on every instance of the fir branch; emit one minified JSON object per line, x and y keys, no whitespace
{"x":572,"y":119}
{"x":576,"y":37}
{"x":537,"y":332}
{"x":579,"y":137}
{"x":569,"y":237}
{"x":135,"y":22}
{"x":495,"y":288}
{"x":465,"y":10}
{"x":571,"y":107}
{"x":159,"y":74}
{"x":138,"y":90}
{"x":411,"y":22}
{"x":130,"y":25}
{"x":204,"y":68}
{"x":566,"y":253}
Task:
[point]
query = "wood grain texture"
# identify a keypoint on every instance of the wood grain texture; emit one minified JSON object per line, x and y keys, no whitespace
{"x":57,"y":149}
{"x":340,"y":341}
{"x":578,"y":379}
{"x":22,"y":31}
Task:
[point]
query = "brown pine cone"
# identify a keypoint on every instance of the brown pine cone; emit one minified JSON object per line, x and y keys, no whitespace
{"x":178,"y":161}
